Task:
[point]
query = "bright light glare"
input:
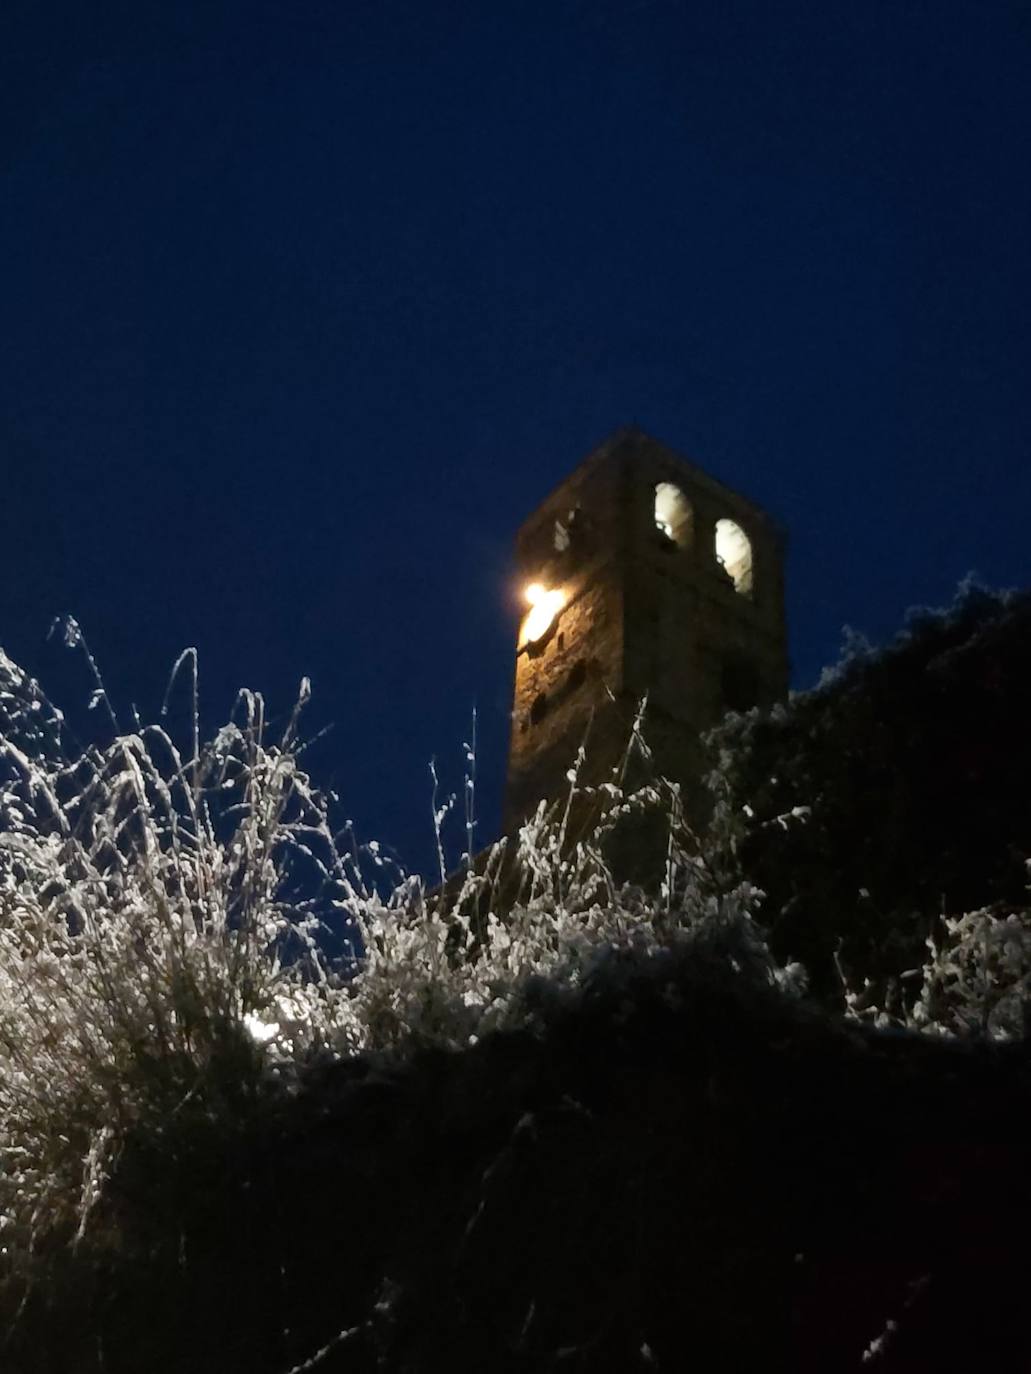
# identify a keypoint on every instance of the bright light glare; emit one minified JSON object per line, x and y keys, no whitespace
{"x":544,"y":607}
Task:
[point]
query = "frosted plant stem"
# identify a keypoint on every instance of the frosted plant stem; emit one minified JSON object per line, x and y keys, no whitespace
{"x":190,"y":655}
{"x":75,"y":639}
{"x":470,"y":794}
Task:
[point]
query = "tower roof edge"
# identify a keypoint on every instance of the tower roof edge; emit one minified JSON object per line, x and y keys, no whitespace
{"x":646,"y":445}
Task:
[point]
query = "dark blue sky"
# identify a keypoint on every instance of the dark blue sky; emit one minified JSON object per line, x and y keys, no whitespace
{"x":306,"y":304}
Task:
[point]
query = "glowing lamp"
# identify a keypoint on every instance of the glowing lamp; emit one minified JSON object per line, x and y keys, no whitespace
{"x":544,"y":607}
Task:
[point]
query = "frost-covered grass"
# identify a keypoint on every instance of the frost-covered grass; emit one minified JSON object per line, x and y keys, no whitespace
{"x":151,"y":937}
{"x":975,"y":980}
{"x":161,"y":915}
{"x":163,"y":908}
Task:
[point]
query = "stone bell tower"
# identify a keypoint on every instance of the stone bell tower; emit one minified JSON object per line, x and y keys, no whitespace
{"x":641,"y":574}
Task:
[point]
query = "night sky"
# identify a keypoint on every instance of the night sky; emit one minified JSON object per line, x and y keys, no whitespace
{"x":306,"y":305}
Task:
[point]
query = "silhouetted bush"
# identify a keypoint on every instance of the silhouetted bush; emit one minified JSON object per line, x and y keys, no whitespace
{"x":893,"y":793}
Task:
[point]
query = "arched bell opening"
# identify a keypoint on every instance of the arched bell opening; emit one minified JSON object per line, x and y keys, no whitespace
{"x":672,"y":515}
{"x":734,"y":554}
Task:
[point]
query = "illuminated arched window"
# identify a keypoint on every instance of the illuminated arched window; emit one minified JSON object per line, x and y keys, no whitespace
{"x":734,"y":554}
{"x":672,"y":513}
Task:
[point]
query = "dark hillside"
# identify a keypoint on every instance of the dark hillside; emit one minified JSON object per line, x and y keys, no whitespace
{"x":681,"y":1170}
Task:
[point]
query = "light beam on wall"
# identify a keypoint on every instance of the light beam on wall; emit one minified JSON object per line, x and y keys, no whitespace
{"x":544,"y":606}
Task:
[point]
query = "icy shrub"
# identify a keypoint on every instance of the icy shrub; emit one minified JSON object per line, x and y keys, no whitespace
{"x":151,"y":942}
{"x":975,"y":981}
{"x":446,"y":966}
{"x":160,"y":922}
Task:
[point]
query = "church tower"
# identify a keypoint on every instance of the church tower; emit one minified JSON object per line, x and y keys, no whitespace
{"x":641,"y":574}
